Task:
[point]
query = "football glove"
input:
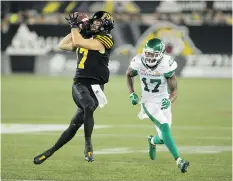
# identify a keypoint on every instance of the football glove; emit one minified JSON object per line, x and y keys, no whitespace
{"x":134,"y":98}
{"x":165,"y":103}
{"x":73,"y":19}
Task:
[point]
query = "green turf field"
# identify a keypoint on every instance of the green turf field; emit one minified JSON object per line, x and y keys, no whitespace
{"x":201,"y":127}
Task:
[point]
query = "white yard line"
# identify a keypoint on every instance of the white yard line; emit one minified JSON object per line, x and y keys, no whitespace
{"x":125,"y":135}
{"x":133,"y":125}
{"x":175,"y":127}
{"x":56,"y":129}
{"x":28,"y":128}
{"x":211,"y":164}
{"x":162,"y":148}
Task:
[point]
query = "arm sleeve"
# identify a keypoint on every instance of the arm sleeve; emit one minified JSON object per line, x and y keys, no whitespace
{"x":172,"y":65}
{"x":134,"y":66}
{"x":107,"y":41}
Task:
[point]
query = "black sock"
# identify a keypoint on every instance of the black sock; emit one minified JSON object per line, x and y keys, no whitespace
{"x":88,"y":125}
{"x":69,"y":133}
{"x":66,"y":136}
{"x":88,"y":128}
{"x":88,"y":144}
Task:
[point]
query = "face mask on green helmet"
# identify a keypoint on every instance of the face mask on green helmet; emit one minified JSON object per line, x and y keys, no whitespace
{"x":153,"y":52}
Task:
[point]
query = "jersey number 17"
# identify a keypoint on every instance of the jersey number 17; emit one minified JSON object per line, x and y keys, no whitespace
{"x":152,"y":81}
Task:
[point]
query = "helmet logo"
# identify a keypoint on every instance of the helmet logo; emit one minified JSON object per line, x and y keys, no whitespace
{"x":106,"y":16}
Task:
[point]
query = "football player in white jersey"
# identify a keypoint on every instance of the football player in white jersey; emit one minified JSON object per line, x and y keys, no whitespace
{"x":156,"y":71}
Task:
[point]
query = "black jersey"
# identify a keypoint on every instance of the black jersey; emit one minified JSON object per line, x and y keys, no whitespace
{"x":92,"y":66}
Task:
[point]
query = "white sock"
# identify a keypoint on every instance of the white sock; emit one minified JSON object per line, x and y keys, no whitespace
{"x":178,"y":160}
{"x":152,"y":141}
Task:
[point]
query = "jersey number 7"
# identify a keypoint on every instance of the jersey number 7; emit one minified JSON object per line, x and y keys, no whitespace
{"x":84,"y":52}
{"x":158,"y":81}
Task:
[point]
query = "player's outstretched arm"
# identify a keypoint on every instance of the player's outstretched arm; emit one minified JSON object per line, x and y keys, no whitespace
{"x":130,"y":73}
{"x":129,"y":77}
{"x":79,"y":41}
{"x":66,"y":43}
{"x":172,"y":84}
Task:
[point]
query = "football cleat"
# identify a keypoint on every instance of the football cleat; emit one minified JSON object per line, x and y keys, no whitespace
{"x":88,"y":156}
{"x":183,"y":165}
{"x":42,"y":157}
{"x":152,"y":148}
{"x":88,"y":152}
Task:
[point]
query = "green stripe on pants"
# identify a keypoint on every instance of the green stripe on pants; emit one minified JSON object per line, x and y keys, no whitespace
{"x":157,"y":123}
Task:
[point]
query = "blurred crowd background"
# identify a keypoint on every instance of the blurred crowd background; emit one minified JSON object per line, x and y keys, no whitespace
{"x":178,"y":12}
{"x":197,"y":33}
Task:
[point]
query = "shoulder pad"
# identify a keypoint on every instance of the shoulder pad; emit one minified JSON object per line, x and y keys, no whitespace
{"x":106,"y":40}
{"x":170,"y":64}
{"x":136,"y":62}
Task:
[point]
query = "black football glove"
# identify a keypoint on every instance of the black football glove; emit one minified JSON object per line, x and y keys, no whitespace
{"x":73,"y":20}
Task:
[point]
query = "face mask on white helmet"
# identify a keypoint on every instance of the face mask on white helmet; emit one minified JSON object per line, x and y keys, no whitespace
{"x":151,"y":57}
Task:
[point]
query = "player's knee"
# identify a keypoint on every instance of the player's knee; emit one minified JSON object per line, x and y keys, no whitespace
{"x":90,"y":108}
{"x":76,"y":124}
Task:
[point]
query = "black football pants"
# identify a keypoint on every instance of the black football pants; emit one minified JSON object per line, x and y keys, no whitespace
{"x":87,"y":103}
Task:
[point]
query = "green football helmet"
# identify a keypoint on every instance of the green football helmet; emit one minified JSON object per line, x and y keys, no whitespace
{"x":153,"y":52}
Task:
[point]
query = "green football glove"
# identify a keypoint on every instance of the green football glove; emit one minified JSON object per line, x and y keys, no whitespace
{"x":165,"y":103}
{"x":134,"y":98}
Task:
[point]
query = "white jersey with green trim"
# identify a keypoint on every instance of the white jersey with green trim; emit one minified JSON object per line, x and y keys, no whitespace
{"x":153,"y":81}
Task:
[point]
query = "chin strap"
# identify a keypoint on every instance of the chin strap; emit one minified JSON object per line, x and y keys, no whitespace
{"x":154,"y":66}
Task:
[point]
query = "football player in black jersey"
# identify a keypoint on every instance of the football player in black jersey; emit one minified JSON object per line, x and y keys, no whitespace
{"x":93,"y":43}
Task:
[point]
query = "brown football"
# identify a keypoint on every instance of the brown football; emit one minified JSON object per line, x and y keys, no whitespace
{"x":83,"y":17}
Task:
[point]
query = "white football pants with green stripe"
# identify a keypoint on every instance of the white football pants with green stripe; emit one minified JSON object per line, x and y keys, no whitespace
{"x":159,"y":116}
{"x":162,"y":120}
